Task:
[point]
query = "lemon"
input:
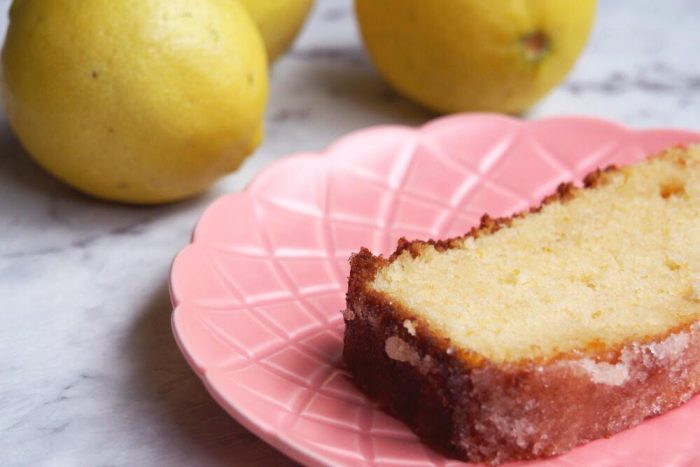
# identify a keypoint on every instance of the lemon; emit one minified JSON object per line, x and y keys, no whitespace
{"x":141,"y":101}
{"x":279,"y":21}
{"x":474,"y":55}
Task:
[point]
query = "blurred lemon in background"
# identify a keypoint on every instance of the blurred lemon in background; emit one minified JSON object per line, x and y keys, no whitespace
{"x":141,"y":101}
{"x":279,"y":21}
{"x":474,"y":55}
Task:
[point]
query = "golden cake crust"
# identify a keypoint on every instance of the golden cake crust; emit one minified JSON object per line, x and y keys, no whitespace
{"x":478,"y":410}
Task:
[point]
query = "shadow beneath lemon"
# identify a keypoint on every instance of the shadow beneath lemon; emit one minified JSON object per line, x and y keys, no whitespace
{"x":337,"y":88}
{"x":178,"y":404}
{"x":23,"y":182}
{"x":18,"y":170}
{"x":56,"y":217}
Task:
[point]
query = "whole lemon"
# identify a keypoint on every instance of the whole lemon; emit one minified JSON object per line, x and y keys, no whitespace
{"x":279,"y":21}
{"x":140,"y":101}
{"x":475,"y":55}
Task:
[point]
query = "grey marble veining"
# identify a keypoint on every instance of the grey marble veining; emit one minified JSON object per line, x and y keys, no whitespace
{"x":90,"y":374}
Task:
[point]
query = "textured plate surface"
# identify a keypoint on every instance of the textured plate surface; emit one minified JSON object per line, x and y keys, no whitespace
{"x":258,"y":293}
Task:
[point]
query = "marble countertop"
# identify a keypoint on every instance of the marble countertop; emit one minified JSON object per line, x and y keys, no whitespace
{"x":90,"y":374}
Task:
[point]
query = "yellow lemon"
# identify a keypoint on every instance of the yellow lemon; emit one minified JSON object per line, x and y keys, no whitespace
{"x":279,"y":21}
{"x":468,"y":55}
{"x":140,"y":101}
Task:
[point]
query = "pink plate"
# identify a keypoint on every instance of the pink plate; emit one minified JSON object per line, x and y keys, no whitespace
{"x":258,"y":293}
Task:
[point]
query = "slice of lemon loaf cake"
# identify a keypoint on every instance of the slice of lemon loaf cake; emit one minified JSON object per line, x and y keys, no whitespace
{"x":536,"y":333}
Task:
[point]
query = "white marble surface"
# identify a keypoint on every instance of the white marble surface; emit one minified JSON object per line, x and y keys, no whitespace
{"x":89,"y":372}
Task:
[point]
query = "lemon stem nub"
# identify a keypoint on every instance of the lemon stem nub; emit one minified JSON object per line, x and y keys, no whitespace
{"x":535,"y":46}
